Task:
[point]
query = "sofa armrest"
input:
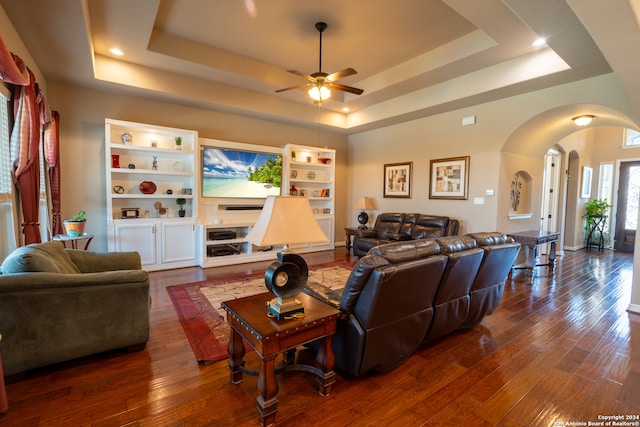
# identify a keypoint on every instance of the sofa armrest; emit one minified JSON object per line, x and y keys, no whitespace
{"x":396,"y":237}
{"x":323,"y":293}
{"x":453,"y":228}
{"x":27,"y":282}
{"x":93,"y":262}
{"x":366,"y":233}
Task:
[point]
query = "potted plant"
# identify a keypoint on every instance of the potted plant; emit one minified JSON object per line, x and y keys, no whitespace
{"x":181,"y":202}
{"x":178,"y":140}
{"x":75,"y":226}
{"x":595,"y":215}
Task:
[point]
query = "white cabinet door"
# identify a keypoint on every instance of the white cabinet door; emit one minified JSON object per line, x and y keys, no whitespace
{"x":178,"y":242}
{"x":139,"y":237}
{"x":326,"y":224}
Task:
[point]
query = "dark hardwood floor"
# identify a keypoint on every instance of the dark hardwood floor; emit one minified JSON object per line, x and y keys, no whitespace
{"x":559,"y":348}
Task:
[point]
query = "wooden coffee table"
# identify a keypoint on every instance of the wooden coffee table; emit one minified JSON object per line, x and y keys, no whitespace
{"x":269,"y":337}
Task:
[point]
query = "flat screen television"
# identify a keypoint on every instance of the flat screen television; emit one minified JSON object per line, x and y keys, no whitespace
{"x":233,"y":173}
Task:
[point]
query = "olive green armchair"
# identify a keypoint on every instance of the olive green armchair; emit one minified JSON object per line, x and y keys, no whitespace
{"x":60,"y":304}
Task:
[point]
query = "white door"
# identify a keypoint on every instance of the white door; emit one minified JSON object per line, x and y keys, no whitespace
{"x":548,"y":221}
{"x":178,"y":242}
{"x":138,"y":237}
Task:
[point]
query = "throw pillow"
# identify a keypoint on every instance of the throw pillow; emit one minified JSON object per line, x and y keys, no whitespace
{"x":48,"y":257}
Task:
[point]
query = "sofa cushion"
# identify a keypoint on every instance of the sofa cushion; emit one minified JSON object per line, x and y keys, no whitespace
{"x":429,"y":226}
{"x":48,"y":257}
{"x":489,"y":238}
{"x":397,"y":252}
{"x":357,"y":279}
{"x":451,"y":244}
{"x":389,"y":222}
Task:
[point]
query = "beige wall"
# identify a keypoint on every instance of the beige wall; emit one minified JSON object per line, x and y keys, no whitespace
{"x":497,"y":145}
{"x":83,"y":111}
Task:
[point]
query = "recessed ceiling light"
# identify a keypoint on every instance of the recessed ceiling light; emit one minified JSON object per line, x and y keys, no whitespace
{"x":539,"y":42}
{"x":583,"y":120}
{"x":345,"y":109}
{"x":116,"y":51}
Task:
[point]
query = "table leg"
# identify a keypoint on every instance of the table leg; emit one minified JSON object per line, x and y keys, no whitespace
{"x":347,"y":240}
{"x":531,"y":258}
{"x":325,"y":359}
{"x":86,"y":245}
{"x":268,"y":388}
{"x":552,"y":256}
{"x":236,"y":356}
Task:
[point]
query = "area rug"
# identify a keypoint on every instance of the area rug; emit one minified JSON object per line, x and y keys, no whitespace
{"x":198,"y":305}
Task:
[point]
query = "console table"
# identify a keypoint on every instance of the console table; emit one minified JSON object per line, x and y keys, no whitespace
{"x":531,"y":239}
{"x":248,"y":320}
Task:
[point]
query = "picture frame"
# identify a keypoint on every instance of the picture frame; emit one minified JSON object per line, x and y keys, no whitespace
{"x":587,"y":174}
{"x":397,"y":180}
{"x":449,"y":178}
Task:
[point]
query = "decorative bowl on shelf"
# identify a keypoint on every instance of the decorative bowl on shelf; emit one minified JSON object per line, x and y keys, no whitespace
{"x":126,"y":138}
{"x":324,"y":160}
{"x":147,"y":187}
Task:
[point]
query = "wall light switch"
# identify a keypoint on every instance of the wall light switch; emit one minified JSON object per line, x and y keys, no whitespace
{"x":489,"y":192}
{"x":478,"y":200}
{"x":469,"y":120}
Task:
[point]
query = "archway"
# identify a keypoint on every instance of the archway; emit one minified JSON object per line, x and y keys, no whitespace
{"x":525,"y":150}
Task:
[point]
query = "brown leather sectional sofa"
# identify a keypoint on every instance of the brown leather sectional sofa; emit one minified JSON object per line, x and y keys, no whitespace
{"x":404,"y":294}
{"x":395,"y":226}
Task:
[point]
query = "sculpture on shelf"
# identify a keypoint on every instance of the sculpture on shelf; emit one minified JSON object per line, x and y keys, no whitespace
{"x":514,"y":198}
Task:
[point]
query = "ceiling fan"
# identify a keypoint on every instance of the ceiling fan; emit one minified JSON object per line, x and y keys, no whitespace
{"x":321,"y":83}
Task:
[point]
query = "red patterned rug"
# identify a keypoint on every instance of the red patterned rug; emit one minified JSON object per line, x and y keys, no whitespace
{"x":202,"y":318}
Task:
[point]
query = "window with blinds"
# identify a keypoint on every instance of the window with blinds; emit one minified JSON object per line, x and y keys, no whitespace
{"x":5,"y":158}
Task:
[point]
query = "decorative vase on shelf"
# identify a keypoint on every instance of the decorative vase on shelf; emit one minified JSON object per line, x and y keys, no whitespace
{"x":126,"y":138}
{"x":115,"y":161}
{"x":293,"y":191}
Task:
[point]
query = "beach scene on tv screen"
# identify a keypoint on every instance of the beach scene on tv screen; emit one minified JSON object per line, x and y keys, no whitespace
{"x":243,"y":174}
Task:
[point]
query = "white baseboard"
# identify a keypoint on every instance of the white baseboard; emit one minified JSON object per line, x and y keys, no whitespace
{"x":634,"y":308}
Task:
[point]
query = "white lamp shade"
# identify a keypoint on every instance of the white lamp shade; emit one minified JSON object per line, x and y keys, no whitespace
{"x":286,"y":220}
{"x":364,"y":203}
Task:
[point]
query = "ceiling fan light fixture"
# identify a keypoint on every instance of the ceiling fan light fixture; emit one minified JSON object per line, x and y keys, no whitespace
{"x":583,"y":120}
{"x":319,"y":93}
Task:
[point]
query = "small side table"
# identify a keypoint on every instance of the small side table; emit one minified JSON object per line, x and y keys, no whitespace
{"x":248,"y":320}
{"x":596,"y":232}
{"x":348,"y":232}
{"x":74,"y":240}
{"x":531,"y":239}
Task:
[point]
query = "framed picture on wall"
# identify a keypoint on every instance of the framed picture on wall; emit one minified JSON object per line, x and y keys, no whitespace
{"x":397,"y":179}
{"x":449,"y":178}
{"x":587,"y":173}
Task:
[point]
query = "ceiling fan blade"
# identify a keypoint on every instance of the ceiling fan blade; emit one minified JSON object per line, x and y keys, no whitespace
{"x":341,"y":74}
{"x":306,"y":76}
{"x":292,"y":87}
{"x":345,"y":88}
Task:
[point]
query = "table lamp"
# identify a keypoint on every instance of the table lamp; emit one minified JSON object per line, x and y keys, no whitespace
{"x":286,"y":220}
{"x":363,"y":203}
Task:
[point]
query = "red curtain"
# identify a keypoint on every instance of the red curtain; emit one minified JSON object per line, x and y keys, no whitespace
{"x":25,"y":139}
{"x":52,"y":154}
{"x":12,"y":69}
